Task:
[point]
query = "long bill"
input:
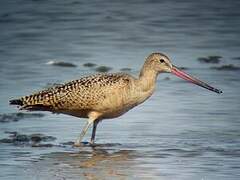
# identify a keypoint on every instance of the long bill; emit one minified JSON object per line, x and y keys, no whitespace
{"x":193,"y":80}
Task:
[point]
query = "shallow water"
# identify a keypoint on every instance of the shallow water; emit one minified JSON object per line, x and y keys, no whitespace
{"x":181,"y":132}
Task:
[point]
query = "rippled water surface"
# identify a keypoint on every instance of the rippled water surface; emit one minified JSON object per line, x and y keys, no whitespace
{"x":181,"y":132}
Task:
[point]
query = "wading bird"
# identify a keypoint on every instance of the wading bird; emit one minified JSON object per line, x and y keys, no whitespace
{"x":104,"y":96}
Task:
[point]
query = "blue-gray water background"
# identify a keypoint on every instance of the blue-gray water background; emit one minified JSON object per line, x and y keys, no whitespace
{"x":181,"y":132}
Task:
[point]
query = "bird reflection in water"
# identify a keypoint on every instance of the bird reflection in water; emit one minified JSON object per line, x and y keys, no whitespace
{"x":91,"y":162}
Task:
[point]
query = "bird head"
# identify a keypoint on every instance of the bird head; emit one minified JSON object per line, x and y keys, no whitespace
{"x":161,"y":63}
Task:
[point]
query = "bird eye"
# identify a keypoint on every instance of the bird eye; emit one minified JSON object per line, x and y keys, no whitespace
{"x":162,"y":60}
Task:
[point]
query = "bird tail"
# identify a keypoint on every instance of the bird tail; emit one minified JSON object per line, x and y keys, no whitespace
{"x":30,"y":103}
{"x":16,"y":102}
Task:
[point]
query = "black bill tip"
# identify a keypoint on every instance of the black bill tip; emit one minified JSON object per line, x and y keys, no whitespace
{"x":218,"y":91}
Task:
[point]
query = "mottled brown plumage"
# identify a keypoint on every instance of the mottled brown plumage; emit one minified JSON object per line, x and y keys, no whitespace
{"x":78,"y":97}
{"x":103,"y":96}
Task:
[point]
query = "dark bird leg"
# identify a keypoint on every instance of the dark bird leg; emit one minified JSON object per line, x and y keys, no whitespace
{"x":94,"y":131}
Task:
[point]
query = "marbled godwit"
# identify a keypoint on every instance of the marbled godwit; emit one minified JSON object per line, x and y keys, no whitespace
{"x":104,"y":96}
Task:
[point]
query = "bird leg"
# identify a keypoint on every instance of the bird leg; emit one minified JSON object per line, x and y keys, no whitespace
{"x":87,"y":125}
{"x":95,"y":123}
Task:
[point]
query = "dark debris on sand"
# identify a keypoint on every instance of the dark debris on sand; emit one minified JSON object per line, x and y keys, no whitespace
{"x":183,"y":68}
{"x":61,"y":64}
{"x":13,"y":117}
{"x":125,"y":69}
{"x":167,"y":78}
{"x":89,"y":65}
{"x":236,"y":58}
{"x":228,"y":67}
{"x":103,"y":69}
{"x":69,"y":143}
{"x":210,"y":59}
{"x":34,"y":140}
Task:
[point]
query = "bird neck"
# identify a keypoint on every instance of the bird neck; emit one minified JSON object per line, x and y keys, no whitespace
{"x":147,"y":78}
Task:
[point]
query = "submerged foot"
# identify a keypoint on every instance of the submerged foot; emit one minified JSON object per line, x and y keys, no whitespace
{"x":80,"y":144}
{"x":92,"y":143}
{"x":76,"y":144}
